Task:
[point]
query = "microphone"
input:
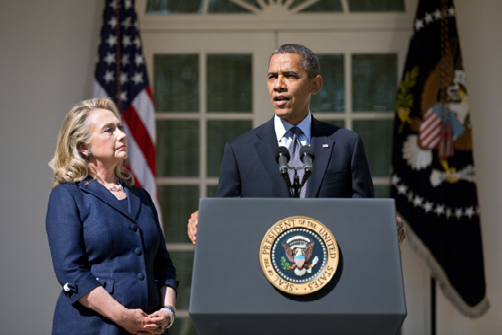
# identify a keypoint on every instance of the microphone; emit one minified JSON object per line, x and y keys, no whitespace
{"x":307,"y":156}
{"x":282,"y":158}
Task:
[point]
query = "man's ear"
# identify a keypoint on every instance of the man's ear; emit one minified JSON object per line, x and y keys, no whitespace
{"x":317,"y":81}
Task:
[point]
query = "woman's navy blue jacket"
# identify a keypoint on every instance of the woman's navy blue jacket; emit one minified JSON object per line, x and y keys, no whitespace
{"x":96,"y":240}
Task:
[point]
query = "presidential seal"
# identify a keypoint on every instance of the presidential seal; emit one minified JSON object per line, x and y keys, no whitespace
{"x":299,"y":255}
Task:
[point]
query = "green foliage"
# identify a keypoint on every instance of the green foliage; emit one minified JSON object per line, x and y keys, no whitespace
{"x":285,"y":265}
{"x":404,"y":99}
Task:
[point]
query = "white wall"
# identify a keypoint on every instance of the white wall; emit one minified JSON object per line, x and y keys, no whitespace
{"x":47,"y":58}
{"x":48,"y":49}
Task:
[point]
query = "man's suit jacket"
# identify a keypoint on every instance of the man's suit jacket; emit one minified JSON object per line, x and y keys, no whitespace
{"x":249,"y":168}
{"x":95,"y":240}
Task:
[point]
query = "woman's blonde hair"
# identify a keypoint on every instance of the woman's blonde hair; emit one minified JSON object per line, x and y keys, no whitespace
{"x":69,"y":164}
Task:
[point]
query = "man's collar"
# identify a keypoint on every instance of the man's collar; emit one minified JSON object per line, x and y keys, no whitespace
{"x":282,"y":127}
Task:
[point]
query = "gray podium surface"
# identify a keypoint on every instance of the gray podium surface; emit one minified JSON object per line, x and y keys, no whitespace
{"x":231,"y":295}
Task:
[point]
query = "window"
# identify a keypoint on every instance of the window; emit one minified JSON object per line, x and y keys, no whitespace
{"x":207,"y":60}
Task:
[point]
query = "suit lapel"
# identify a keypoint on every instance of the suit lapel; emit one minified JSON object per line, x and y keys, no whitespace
{"x":323,"y":147}
{"x":134,"y":202}
{"x":265,"y":148}
{"x":100,"y":192}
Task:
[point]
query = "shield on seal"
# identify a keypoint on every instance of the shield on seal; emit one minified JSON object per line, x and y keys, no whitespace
{"x":299,"y":261}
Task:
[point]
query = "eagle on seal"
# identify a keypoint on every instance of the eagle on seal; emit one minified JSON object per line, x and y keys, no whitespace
{"x":300,"y":257}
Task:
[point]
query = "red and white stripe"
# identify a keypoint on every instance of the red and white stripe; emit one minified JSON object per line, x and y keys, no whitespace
{"x":430,"y":130}
{"x":436,"y":134}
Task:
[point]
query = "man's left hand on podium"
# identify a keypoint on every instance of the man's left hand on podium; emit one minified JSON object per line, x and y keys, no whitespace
{"x":401,"y":232}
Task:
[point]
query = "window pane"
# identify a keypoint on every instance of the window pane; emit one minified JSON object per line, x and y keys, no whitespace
{"x":176,"y":82}
{"x":339,"y":123}
{"x":229,"y":83}
{"x":226,"y":6}
{"x":377,"y":139}
{"x":183,"y":261}
{"x":374,"y":82}
{"x":177,"y":202}
{"x":320,"y":6}
{"x":177,"y":148}
{"x":376,"y":6}
{"x":382,"y":191}
{"x":218,"y":133}
{"x":212,"y":190}
{"x":173,"y":6}
{"x":331,"y":97}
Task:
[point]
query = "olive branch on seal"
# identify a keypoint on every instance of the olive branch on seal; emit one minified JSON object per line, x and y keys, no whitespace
{"x":404,"y":99}
{"x":285,"y":265}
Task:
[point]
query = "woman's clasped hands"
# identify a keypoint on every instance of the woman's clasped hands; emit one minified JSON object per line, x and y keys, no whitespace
{"x":135,"y":321}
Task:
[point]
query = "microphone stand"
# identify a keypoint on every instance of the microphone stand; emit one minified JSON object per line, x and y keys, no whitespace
{"x":296,"y":186}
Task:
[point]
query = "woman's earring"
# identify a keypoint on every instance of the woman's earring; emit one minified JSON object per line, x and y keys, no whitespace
{"x":89,"y":154}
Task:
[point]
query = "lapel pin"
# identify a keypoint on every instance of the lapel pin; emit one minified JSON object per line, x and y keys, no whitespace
{"x":325,"y":145}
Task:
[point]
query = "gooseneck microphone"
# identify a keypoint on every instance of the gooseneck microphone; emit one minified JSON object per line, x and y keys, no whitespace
{"x":307,"y":156}
{"x":282,"y":157}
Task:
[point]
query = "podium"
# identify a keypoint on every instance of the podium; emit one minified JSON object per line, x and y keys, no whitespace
{"x":231,"y":295}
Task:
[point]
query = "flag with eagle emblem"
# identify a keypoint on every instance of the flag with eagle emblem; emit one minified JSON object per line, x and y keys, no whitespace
{"x":433,"y":180}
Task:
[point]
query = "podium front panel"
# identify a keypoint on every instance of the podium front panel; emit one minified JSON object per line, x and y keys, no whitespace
{"x":231,"y":295}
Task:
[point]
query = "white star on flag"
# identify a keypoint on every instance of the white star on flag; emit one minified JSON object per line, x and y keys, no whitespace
{"x":469,"y":212}
{"x":417,"y":201}
{"x":110,"y":58}
{"x":439,"y":209}
{"x":113,"y":22}
{"x":428,"y":206}
{"x":428,"y":18}
{"x":458,"y":212}
{"x":138,"y":59}
{"x":437,"y":14}
{"x":138,"y":78}
{"x":126,"y":40}
{"x":395,"y":180}
{"x":401,"y":189}
{"x":123,"y":78}
{"x":112,"y":40}
{"x":419,"y":24}
{"x":108,"y":76}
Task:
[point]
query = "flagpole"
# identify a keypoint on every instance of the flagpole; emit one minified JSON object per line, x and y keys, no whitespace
{"x":433,"y":306}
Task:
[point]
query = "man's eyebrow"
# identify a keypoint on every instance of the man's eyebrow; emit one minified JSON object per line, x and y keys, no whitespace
{"x":289,"y":73}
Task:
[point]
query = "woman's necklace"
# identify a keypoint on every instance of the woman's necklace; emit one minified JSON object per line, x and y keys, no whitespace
{"x":116,"y":188}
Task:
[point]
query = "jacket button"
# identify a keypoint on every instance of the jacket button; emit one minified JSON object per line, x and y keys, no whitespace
{"x":141,"y":276}
{"x":138,"y":251}
{"x":133,"y":226}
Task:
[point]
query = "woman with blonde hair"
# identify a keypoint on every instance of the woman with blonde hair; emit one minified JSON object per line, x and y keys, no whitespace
{"x":106,"y":243}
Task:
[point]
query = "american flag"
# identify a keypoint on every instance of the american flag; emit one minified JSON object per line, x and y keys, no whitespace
{"x":121,"y":75}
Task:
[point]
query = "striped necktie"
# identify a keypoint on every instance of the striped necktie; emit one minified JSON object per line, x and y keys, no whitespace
{"x":295,"y":161}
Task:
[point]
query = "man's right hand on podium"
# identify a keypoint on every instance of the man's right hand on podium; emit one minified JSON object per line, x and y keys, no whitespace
{"x":192,"y":226}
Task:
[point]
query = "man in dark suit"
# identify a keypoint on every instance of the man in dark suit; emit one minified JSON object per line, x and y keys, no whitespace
{"x":249,"y":169}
